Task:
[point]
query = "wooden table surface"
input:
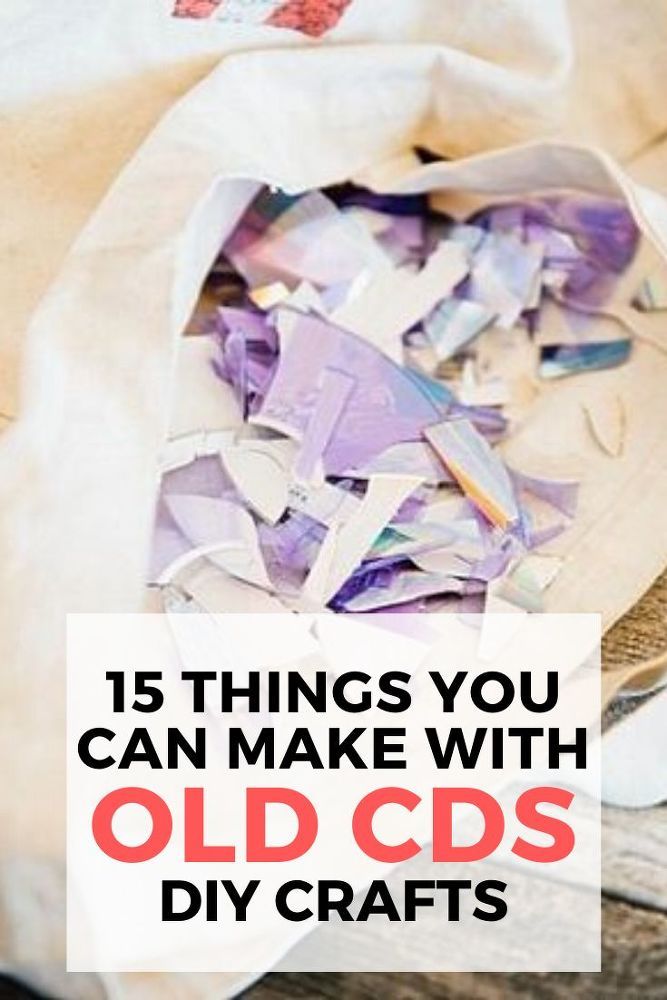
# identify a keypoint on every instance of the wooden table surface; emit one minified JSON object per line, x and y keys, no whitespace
{"x":634,"y":899}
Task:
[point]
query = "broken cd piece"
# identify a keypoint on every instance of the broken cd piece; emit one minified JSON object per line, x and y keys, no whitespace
{"x":560,"y":360}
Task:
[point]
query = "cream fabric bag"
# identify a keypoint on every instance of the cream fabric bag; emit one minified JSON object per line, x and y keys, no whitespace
{"x":78,"y":470}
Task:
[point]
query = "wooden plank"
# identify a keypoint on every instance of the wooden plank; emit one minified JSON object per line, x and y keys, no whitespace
{"x":634,"y":938}
{"x":634,"y":855}
{"x":634,"y":966}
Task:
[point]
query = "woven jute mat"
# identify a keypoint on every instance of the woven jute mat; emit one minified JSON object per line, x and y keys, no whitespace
{"x":634,"y":652}
{"x":642,"y":632}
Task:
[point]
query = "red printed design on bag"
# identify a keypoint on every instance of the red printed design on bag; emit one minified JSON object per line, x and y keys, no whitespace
{"x":195,"y":8}
{"x":311,"y":17}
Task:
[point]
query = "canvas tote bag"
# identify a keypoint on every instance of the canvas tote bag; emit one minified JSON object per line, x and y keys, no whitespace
{"x":79,"y":469}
